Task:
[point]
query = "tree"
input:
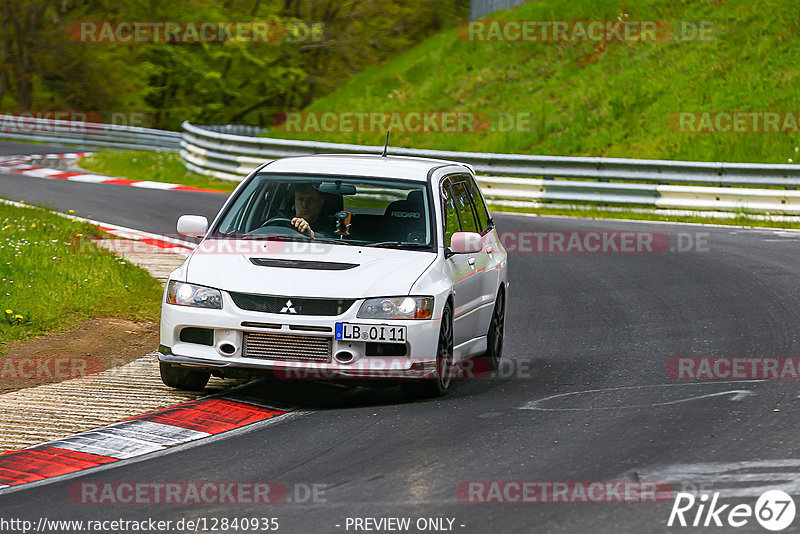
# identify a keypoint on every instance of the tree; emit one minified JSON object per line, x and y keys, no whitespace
{"x":43,"y":67}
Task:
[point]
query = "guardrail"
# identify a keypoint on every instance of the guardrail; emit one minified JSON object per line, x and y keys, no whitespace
{"x":480,"y":8}
{"x":523,"y":179}
{"x":706,"y":186}
{"x":87,"y":134}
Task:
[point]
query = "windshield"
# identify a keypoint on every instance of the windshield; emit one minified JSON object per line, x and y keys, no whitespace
{"x":346,"y":210}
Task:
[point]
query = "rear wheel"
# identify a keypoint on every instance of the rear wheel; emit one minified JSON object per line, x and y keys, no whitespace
{"x":439,"y":384}
{"x":496,"y":334}
{"x":183,"y":378}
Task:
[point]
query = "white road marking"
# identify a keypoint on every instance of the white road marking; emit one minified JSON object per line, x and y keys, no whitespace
{"x":156,"y":432}
{"x":16,"y":166}
{"x":22,"y":164}
{"x":103,"y":443}
{"x":42,"y":173}
{"x":128,"y":439}
{"x":257,"y":426}
{"x":91,"y":178}
{"x":153,"y":185}
{"x":736,"y":395}
{"x":729,"y":479}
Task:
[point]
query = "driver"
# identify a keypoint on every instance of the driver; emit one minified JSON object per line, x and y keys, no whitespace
{"x":308,"y":204}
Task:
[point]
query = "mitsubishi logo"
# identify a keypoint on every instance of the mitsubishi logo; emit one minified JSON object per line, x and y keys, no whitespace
{"x":288,"y":307}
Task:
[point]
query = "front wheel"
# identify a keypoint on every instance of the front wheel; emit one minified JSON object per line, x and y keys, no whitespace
{"x":439,"y":384}
{"x":182,"y":378}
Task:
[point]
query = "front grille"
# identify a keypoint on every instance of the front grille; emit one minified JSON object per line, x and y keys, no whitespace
{"x":268,"y":346}
{"x":291,"y":305}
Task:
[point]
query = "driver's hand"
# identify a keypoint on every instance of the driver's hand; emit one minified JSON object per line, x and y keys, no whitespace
{"x":302,"y":226}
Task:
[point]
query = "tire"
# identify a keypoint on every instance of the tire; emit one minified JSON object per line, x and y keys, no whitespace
{"x":496,"y":334}
{"x":439,"y":384}
{"x":182,"y":378}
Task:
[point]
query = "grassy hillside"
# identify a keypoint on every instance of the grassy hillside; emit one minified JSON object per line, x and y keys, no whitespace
{"x":609,"y":99}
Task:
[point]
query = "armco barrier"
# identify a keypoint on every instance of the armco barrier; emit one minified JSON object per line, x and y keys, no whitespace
{"x":87,"y":134}
{"x":708,"y":186}
{"x":236,"y":152}
{"x":505,"y":178}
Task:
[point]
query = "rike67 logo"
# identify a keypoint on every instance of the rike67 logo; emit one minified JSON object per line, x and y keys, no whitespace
{"x":774,"y":510}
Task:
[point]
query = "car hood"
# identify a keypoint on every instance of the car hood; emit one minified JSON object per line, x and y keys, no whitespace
{"x":377,"y":271}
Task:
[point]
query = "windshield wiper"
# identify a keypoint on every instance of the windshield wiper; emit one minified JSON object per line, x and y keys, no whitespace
{"x":277,"y":237}
{"x":401,"y":244}
{"x":331,"y":240}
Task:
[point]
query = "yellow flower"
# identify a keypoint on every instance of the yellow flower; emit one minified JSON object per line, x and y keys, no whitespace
{"x":9,"y":312}
{"x":79,"y":235}
{"x":18,"y":317}
{"x":72,"y":211}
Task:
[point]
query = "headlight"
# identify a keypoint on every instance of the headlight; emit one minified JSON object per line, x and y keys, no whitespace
{"x":397,"y":308}
{"x":191,"y":295}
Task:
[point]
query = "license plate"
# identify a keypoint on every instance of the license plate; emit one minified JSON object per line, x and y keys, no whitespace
{"x":375,"y":333}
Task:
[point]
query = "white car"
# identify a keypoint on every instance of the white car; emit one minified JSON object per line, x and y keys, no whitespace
{"x":339,"y":266}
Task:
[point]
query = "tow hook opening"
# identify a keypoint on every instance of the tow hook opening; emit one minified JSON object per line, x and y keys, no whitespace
{"x":226,"y":349}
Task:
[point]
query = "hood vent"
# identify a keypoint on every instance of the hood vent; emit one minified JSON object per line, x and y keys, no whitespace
{"x":303,"y":264}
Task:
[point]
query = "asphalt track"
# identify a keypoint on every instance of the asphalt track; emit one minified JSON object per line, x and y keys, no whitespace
{"x":576,"y":323}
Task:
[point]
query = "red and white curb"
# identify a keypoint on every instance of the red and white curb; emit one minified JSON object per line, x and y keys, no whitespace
{"x":168,"y":244}
{"x":19,"y":165}
{"x":140,"y":435}
{"x":137,"y":436}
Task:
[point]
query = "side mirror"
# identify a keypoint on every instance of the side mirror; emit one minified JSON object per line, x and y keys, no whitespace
{"x":192,"y":225}
{"x":466,"y":242}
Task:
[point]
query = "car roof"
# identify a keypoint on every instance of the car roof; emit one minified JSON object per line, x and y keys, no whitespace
{"x":403,"y":167}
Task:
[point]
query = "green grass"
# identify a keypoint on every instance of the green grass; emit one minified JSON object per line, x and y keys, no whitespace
{"x":51,"y":277}
{"x":594,"y":99}
{"x":150,"y":165}
{"x":587,"y":99}
{"x":595,"y":212}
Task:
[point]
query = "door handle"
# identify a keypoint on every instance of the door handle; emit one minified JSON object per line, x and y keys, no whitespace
{"x":471,"y":261}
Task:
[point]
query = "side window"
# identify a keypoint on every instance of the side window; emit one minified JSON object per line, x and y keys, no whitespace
{"x":464,"y":207}
{"x":451,"y":224}
{"x":480,"y":205}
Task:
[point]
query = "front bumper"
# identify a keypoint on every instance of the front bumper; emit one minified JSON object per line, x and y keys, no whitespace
{"x":225,"y":357}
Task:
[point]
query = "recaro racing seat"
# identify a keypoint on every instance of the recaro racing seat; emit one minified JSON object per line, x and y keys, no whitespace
{"x":406,"y":218}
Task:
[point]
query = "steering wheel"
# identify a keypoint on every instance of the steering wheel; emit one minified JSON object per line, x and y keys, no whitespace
{"x":281,"y":221}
